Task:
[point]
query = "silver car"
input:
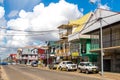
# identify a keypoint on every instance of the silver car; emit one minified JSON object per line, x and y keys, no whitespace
{"x":54,"y":65}
{"x":34,"y":64}
{"x":87,"y":67}
{"x":67,"y":65}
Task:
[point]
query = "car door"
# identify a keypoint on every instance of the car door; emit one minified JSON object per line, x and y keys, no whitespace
{"x":64,"y":65}
{"x":82,"y":66}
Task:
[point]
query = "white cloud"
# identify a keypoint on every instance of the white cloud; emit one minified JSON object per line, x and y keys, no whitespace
{"x":105,"y":7}
{"x":2,"y":32}
{"x":2,"y":12}
{"x":93,"y":1}
{"x":3,"y":22}
{"x":15,"y":43}
{"x":19,"y":24}
{"x":43,"y":18}
{"x":2,"y":49}
{"x":18,"y":40}
{"x":13,"y":13}
{"x":2,"y":25}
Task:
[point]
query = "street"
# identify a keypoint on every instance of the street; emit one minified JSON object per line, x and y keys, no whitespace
{"x":21,"y":72}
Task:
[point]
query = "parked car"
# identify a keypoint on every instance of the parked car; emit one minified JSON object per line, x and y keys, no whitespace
{"x":67,"y":65}
{"x":4,"y":63}
{"x":87,"y":67}
{"x":54,"y":65}
{"x":14,"y":63}
{"x":34,"y":64}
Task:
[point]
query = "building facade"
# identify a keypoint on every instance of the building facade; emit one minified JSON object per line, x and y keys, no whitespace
{"x":28,"y":55}
{"x":109,"y":23}
{"x":80,"y":44}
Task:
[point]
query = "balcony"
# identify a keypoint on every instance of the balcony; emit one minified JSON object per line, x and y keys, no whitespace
{"x":63,"y":35}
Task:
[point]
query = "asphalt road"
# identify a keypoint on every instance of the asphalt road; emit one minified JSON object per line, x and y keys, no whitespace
{"x":21,"y":72}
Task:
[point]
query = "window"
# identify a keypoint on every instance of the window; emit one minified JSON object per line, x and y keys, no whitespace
{"x":115,"y":36}
{"x":83,"y":46}
{"x":95,"y":40}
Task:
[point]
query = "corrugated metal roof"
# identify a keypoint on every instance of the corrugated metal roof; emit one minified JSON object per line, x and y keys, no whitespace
{"x":80,"y":22}
{"x":107,"y":17}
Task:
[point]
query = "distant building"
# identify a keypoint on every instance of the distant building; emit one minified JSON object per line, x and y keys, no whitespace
{"x":29,"y":54}
{"x":13,"y":57}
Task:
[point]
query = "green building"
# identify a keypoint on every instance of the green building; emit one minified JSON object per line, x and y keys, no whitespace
{"x":80,"y":45}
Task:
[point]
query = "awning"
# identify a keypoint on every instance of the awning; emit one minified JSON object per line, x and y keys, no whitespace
{"x":73,"y":36}
{"x":109,"y":49}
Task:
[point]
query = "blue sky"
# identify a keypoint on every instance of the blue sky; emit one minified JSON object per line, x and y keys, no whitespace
{"x":27,"y":5}
{"x":19,"y":16}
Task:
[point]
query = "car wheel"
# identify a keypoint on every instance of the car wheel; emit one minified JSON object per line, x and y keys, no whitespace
{"x":67,"y":69}
{"x":86,"y":71}
{"x":60,"y":68}
{"x":97,"y":72}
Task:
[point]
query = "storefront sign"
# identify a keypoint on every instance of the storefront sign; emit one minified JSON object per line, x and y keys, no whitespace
{"x":75,"y":54}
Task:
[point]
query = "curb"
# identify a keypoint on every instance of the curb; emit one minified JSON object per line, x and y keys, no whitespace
{"x":98,"y":77}
{"x":3,"y":74}
{"x":107,"y":75}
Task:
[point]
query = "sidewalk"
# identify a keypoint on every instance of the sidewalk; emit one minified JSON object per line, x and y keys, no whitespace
{"x":106,"y":75}
{"x":0,"y":72}
{"x":3,"y":74}
{"x":111,"y":75}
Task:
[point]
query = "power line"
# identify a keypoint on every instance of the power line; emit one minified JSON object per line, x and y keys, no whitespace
{"x":23,"y":34}
{"x":29,"y":31}
{"x":55,"y":30}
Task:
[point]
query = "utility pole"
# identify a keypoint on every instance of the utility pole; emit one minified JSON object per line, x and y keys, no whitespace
{"x":48,"y":45}
{"x":101,"y":39}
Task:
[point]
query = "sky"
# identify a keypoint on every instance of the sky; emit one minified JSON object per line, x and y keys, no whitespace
{"x":32,"y":22}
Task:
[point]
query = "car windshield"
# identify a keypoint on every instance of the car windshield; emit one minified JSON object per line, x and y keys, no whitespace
{"x":69,"y":62}
{"x":88,"y":64}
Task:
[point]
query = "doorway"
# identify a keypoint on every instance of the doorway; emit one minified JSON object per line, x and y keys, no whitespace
{"x":107,"y":65}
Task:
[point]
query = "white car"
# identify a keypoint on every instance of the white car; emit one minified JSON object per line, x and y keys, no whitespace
{"x":87,"y":67}
{"x":67,"y":65}
{"x":13,"y":63}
